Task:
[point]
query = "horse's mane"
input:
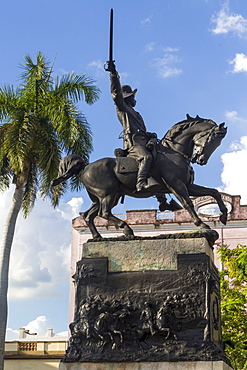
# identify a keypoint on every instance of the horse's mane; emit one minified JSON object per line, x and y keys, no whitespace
{"x":179,"y":127}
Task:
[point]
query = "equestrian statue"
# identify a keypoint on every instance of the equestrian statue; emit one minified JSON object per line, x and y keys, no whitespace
{"x":146,"y":166}
{"x":109,"y":179}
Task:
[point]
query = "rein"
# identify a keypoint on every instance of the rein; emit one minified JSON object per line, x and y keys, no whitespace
{"x":176,"y":150}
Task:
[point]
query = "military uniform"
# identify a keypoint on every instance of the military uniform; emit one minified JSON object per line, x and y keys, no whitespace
{"x":135,"y":135}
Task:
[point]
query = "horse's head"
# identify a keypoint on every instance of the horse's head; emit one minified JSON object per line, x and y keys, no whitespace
{"x":195,"y":138}
{"x":206,"y":142}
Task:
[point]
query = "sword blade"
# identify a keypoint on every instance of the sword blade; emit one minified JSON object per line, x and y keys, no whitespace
{"x":111,"y":37}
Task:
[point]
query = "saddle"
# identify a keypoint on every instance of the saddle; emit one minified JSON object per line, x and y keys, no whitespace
{"x":126,"y":165}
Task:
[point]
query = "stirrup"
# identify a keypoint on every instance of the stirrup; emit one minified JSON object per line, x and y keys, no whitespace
{"x":141,"y":184}
{"x":152,"y":182}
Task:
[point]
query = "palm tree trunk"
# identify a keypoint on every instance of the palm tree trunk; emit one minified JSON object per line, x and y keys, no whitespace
{"x":5,"y":248}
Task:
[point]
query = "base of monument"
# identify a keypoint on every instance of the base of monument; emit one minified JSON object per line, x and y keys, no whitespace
{"x":191,"y":365}
{"x":146,"y":304}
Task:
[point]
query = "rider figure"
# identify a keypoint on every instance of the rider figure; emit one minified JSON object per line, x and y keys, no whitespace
{"x":135,"y":135}
{"x":137,"y":141}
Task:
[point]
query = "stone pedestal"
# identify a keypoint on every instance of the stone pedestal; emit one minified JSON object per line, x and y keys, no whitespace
{"x":146,"y":254}
{"x":147,"y":304}
{"x":201,"y":365}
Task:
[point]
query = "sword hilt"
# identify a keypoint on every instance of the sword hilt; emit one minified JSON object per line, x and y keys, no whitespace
{"x":109,"y":66}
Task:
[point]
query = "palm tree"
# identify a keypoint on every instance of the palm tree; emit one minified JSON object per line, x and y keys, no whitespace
{"x":40,"y":122}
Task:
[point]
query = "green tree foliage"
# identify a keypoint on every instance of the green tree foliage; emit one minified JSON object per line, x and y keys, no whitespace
{"x":39,"y":123}
{"x":234,"y":303}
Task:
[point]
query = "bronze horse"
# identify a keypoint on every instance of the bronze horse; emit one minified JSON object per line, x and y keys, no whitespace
{"x":108,"y":179}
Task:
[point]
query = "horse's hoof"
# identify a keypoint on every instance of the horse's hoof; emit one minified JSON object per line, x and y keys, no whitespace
{"x":130,"y":236}
{"x":128,"y":232}
{"x":97,"y":238}
{"x":205,"y":226}
{"x":223,"y":218}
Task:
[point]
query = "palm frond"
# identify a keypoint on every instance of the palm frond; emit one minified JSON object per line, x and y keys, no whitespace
{"x":72,"y":127}
{"x":32,"y":71}
{"x":36,"y":79}
{"x":5,"y":173}
{"x":3,"y":129}
{"x":30,"y":189}
{"x":77,"y":87}
{"x":55,"y":193}
{"x":19,"y":142}
{"x":48,"y":156}
{"x":39,"y":121}
{"x":75,"y":183}
{"x":80,"y":139}
{"x":9,"y":101}
{"x":47,"y":147}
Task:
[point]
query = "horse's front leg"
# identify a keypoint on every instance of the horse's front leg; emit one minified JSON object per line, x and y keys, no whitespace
{"x":197,"y":190}
{"x":180,"y":191}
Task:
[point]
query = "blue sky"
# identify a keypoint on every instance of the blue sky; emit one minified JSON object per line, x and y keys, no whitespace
{"x":183,"y":56}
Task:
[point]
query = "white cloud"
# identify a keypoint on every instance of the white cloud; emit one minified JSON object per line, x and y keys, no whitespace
{"x":70,"y":209}
{"x":232,"y":176}
{"x":150,"y":46}
{"x":165,"y":65}
{"x":226,"y":22}
{"x":40,"y":326}
{"x":239,"y":63}
{"x":39,"y":264}
{"x":97,"y":63}
{"x":124,"y":76}
{"x":168,"y":49}
{"x":11,"y":334}
{"x":98,"y":66}
{"x":146,"y":21}
{"x":63,"y":333}
{"x":64,"y":255}
{"x":232,"y":116}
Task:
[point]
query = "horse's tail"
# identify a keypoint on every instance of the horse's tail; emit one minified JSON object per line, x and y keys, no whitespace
{"x":69,"y":166}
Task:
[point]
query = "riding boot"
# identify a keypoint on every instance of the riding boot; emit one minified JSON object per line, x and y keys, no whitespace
{"x":143,"y":172}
